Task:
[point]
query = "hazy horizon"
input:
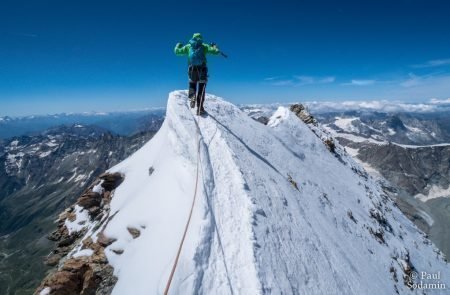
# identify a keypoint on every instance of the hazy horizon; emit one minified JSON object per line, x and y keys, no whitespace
{"x":431,"y":105}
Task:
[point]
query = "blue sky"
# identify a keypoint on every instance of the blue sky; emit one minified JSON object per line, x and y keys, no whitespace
{"x":74,"y":56}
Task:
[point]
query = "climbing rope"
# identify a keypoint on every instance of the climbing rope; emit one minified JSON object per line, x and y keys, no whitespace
{"x":175,"y":264}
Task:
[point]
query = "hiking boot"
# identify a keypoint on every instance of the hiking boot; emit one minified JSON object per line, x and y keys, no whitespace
{"x":201,"y":111}
{"x":192,"y":102}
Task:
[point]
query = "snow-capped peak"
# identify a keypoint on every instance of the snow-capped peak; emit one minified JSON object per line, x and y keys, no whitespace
{"x":276,"y":212}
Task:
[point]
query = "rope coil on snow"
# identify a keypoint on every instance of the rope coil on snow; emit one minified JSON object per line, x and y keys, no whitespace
{"x":175,"y":264}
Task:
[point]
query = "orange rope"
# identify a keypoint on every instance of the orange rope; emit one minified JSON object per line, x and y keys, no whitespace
{"x":174,"y":267}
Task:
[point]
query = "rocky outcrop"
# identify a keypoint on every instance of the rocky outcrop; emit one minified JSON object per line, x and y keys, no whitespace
{"x":111,"y":181}
{"x":331,"y":146}
{"x":300,"y":111}
{"x":134,"y":232}
{"x":83,"y":275}
{"x":262,"y":119}
{"x":88,"y":272}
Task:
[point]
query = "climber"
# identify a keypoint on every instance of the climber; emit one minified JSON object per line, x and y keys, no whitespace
{"x":196,"y":51}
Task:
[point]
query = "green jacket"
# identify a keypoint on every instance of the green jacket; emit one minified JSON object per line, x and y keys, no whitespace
{"x":181,"y":50}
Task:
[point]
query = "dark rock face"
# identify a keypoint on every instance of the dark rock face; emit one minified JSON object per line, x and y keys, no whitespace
{"x":414,"y":169}
{"x":40,"y":176}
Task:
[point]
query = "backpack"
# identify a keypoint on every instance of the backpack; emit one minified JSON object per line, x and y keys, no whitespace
{"x":197,"y":55}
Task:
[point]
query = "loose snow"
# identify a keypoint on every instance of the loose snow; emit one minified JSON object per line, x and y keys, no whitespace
{"x":84,"y":252}
{"x":98,"y":188}
{"x":82,"y":217}
{"x":277,"y":213}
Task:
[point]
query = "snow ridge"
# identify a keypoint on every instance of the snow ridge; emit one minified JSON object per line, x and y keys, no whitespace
{"x":277,"y":212}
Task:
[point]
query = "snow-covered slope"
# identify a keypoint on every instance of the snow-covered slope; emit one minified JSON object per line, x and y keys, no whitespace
{"x":276,"y":213}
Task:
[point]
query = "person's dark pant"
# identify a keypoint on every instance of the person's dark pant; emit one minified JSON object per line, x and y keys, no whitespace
{"x":199,"y":95}
{"x":198,"y":75}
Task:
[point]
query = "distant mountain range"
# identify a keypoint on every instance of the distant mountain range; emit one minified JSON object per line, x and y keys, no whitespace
{"x":121,"y":123}
{"x":42,"y":174}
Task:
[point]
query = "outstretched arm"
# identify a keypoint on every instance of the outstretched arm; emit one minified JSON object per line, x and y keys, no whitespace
{"x":211,"y":49}
{"x":181,"y":50}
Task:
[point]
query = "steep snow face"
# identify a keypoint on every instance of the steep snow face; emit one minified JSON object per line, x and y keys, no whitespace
{"x":276,"y":212}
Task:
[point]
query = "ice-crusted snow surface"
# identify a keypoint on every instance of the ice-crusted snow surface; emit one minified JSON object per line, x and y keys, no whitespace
{"x":272,"y":214}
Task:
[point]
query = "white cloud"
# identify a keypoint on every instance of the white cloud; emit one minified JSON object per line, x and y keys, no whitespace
{"x":440,"y":101}
{"x":360,"y":83}
{"x":271,"y":78}
{"x":282,"y":82}
{"x":327,"y":80}
{"x":300,"y":80}
{"x":306,"y":80}
{"x":386,"y":106}
{"x":433,"y":63}
{"x":412,"y":81}
{"x":411,"y":87}
{"x":427,"y":85}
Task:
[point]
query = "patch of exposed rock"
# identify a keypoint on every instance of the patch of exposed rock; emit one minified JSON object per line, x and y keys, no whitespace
{"x":90,"y":272}
{"x":134,"y":232}
{"x":263,"y":120}
{"x":300,"y":111}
